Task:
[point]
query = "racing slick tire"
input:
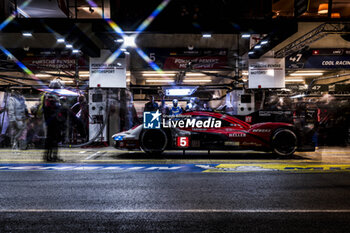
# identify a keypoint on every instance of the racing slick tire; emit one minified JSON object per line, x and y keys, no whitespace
{"x":284,"y":142}
{"x":153,"y":141}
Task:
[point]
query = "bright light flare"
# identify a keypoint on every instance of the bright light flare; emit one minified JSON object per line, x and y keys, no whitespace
{"x":13,"y":15}
{"x":150,"y":18}
{"x":21,"y":65}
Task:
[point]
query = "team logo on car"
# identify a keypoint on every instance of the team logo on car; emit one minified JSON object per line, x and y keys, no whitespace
{"x":151,"y":120}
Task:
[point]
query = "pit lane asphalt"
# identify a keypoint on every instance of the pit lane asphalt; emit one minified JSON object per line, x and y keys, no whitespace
{"x":118,"y":201}
{"x":111,"y":155}
{"x":106,"y":201}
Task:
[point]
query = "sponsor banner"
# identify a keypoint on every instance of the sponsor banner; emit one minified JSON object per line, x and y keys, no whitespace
{"x":50,"y":60}
{"x":266,"y":73}
{"x":320,"y":59}
{"x":153,"y":120}
{"x":107,"y":75}
{"x":179,"y":59}
{"x":52,"y":63}
{"x":249,"y":167}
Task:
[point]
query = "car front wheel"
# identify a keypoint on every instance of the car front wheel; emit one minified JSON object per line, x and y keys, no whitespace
{"x":153,"y":141}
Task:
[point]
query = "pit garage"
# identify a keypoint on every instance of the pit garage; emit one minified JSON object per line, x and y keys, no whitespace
{"x":110,"y":77}
{"x":174,"y":116}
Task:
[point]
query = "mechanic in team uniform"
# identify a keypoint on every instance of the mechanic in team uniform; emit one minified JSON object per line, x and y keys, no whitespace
{"x":175,"y":109}
{"x":151,"y":106}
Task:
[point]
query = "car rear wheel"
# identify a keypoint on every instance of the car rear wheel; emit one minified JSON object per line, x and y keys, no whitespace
{"x":153,"y":141}
{"x":284,"y":142}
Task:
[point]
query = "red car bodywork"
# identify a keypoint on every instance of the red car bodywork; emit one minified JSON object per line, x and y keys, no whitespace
{"x":244,"y":134}
{"x":233,"y":134}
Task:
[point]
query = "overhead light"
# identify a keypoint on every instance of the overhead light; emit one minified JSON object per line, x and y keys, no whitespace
{"x":307,"y":74}
{"x":206,"y":35}
{"x":126,"y":53}
{"x":84,"y":75}
{"x":197,"y":80}
{"x":298,"y":96}
{"x":129,"y":41}
{"x":194,"y":74}
{"x":264,"y":42}
{"x":310,"y":71}
{"x":323,"y":8}
{"x":159,"y":80}
{"x":69,"y":46}
{"x":257,"y":46}
{"x":245,"y":35}
{"x":123,"y":50}
{"x":119,"y":40}
{"x":61,"y":40}
{"x":251,"y":52}
{"x":43,"y":75}
{"x":27,"y":34}
{"x":75,"y":51}
{"x":180,"y":91}
{"x":335,"y":15}
{"x":157,"y":74}
{"x":245,"y":73}
{"x":67,"y":81}
{"x":295,"y":80}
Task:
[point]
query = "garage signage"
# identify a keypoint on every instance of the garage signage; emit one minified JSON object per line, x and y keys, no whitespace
{"x":107,"y":75}
{"x":179,"y":59}
{"x":266,"y":73}
{"x":55,"y":60}
{"x":320,"y":59}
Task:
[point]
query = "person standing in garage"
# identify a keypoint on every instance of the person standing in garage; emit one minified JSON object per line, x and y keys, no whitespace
{"x":52,"y":114}
{"x":17,"y":114}
{"x":175,"y":109}
{"x":151,"y":106}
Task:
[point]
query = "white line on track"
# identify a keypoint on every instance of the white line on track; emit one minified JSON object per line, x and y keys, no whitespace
{"x":175,"y":211}
{"x":95,"y":155}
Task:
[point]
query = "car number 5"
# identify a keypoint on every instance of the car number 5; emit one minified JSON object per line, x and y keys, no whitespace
{"x":182,"y":142}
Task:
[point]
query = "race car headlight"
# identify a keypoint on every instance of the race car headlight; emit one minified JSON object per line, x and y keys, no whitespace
{"x":118,"y":138}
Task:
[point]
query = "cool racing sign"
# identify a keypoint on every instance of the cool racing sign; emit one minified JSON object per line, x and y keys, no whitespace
{"x":152,"y":120}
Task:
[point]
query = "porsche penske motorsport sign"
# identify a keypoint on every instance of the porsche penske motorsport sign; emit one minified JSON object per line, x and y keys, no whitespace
{"x":266,"y":73}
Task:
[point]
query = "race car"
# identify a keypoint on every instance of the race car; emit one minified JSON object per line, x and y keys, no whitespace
{"x":200,"y":130}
